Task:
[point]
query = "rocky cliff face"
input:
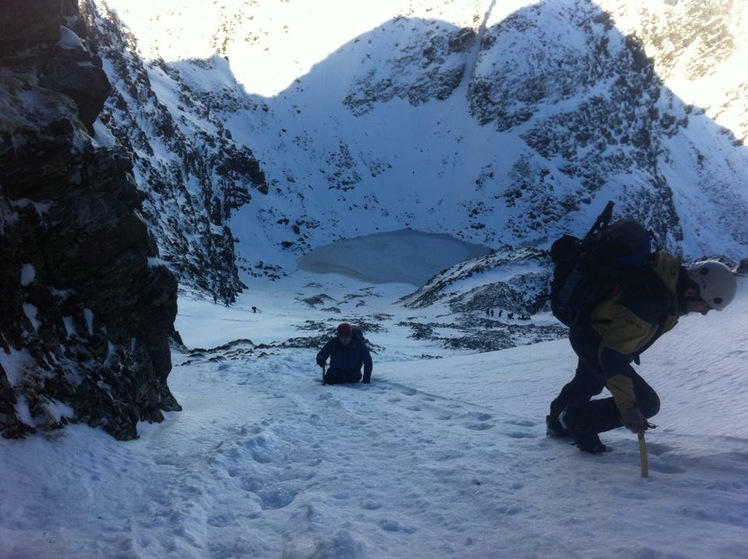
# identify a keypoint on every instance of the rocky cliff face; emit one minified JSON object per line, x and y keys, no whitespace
{"x":197,"y":175}
{"x":86,"y":305}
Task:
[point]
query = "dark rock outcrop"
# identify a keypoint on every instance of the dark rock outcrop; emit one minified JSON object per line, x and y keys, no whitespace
{"x":86,"y":305}
{"x":25,"y":24}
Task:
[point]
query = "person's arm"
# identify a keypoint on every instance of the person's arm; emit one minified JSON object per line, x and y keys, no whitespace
{"x":368,"y":365}
{"x":324,"y":353}
{"x":616,"y":369}
{"x":627,"y":326}
{"x":623,"y":335}
{"x":619,"y":381}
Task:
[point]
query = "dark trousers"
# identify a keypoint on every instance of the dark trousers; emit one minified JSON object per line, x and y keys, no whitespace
{"x":341,"y":376}
{"x":601,"y":414}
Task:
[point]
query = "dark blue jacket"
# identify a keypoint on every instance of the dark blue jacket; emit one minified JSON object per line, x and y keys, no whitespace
{"x":346,"y":361}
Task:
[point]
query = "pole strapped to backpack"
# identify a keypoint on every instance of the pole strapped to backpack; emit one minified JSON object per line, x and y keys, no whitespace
{"x":602,"y":220}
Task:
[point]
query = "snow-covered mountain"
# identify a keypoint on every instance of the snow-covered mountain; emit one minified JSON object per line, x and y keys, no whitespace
{"x":260,"y":131}
{"x":286,"y":126}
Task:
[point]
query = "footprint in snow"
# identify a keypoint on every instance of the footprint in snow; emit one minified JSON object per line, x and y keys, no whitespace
{"x":479,"y":426}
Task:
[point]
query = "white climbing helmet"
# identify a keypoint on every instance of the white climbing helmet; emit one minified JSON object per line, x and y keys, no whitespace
{"x":717,"y":285}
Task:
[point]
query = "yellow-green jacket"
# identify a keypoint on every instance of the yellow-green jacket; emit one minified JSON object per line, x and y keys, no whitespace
{"x":630,"y":320}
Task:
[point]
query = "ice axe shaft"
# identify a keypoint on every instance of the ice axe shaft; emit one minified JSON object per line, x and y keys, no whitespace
{"x":643,"y":454}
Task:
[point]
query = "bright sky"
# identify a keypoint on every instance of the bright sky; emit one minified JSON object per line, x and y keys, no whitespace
{"x":272,"y":43}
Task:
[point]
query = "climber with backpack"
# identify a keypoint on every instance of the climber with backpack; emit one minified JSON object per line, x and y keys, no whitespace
{"x":618,"y":294}
{"x":348,"y":352}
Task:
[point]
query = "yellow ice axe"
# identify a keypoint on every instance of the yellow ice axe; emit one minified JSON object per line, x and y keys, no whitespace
{"x":643,"y":454}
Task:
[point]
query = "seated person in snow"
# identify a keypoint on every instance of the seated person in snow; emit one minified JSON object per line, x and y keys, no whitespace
{"x":347,"y":353}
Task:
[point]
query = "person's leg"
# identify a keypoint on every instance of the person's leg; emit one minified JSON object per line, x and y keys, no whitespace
{"x":340,"y":376}
{"x":596,"y":416}
{"x":585,"y":384}
{"x":603,"y":415}
{"x":581,"y":417}
{"x":647,"y":399}
{"x":330,"y":378}
{"x":333,"y":376}
{"x":582,"y":387}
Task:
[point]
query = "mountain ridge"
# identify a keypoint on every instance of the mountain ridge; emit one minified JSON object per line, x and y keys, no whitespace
{"x":375,"y":137}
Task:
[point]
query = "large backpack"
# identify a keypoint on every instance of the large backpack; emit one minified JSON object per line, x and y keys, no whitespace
{"x":610,"y":257}
{"x":358,"y":334}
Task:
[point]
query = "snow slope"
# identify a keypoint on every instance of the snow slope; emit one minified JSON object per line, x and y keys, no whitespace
{"x":435,"y":458}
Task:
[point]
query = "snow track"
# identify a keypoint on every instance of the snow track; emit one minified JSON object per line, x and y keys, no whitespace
{"x":434,"y":459}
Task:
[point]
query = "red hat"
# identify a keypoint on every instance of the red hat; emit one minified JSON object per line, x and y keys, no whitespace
{"x":345,"y":327}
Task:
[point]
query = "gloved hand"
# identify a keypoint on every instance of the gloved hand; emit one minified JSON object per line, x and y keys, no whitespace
{"x":634,"y":421}
{"x":321,"y":362}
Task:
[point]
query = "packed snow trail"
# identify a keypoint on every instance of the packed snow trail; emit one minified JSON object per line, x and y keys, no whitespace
{"x":435,"y":458}
{"x":369,"y":440}
{"x":394,"y":469}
